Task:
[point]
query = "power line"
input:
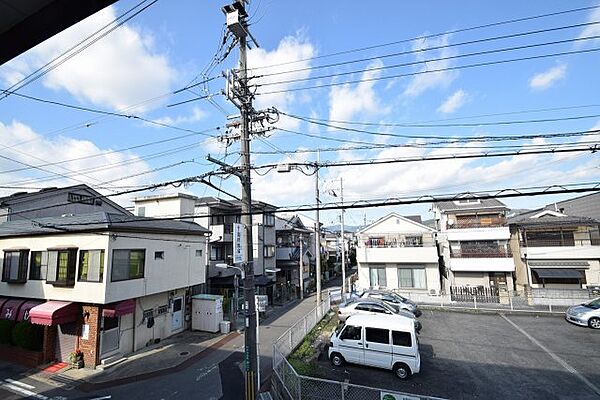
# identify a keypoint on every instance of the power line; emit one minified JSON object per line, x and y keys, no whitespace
{"x":38,"y":73}
{"x":434,"y":35}
{"x":414,"y":73}
{"x":440,"y":47}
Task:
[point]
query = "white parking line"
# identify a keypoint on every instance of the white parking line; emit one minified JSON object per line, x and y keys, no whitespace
{"x":22,"y":391}
{"x":556,"y":358}
{"x":23,"y":385}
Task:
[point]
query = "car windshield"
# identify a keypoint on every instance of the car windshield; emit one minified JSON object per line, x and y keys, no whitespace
{"x":595,"y":304}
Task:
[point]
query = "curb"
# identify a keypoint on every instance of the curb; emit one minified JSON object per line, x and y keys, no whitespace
{"x":93,"y":386}
{"x":537,"y":313}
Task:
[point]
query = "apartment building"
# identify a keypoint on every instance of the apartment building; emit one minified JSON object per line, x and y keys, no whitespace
{"x":397,"y":252}
{"x":219,"y":215}
{"x":555,"y":250}
{"x":106,"y":284}
{"x":474,"y":243}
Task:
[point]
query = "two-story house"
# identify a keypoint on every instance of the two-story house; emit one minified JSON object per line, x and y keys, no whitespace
{"x":294,"y":256}
{"x":219,"y":215}
{"x":474,"y":243}
{"x":107,"y":284}
{"x":556,"y":250}
{"x":396,"y":252}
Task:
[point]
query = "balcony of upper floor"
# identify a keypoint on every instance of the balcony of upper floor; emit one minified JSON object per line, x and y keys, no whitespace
{"x":483,"y":252}
{"x":563,"y":248}
{"x":287,"y":253}
{"x":221,"y":233}
{"x":397,"y":248}
{"x":483,"y":264}
{"x":480,"y":233}
{"x":475,"y":222}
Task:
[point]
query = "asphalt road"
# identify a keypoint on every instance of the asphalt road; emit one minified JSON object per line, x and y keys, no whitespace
{"x":476,"y":356}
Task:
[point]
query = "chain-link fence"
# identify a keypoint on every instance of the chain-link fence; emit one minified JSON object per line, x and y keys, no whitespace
{"x":289,"y":385}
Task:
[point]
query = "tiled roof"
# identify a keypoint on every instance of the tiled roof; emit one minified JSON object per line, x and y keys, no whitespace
{"x":525,"y":219}
{"x":460,"y":204}
{"x":99,"y":221}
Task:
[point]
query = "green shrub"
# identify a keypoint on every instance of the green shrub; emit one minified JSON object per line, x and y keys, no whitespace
{"x":27,"y":336}
{"x":6,"y":327}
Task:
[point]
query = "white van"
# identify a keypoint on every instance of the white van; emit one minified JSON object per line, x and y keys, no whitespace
{"x":383,"y":341}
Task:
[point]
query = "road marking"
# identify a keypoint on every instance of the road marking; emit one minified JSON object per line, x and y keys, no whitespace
{"x":556,"y":358}
{"x":102,"y":398}
{"x":20,"y":390}
{"x":205,"y":372}
{"x":23,"y":385}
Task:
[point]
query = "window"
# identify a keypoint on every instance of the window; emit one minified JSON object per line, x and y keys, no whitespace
{"x":199,"y":253}
{"x":159,"y":255}
{"x":269,"y":251}
{"x":376,"y":335}
{"x":377,"y":275}
{"x":401,"y":339}
{"x":15,"y":266}
{"x":128,"y":264}
{"x":91,"y":265}
{"x":61,"y":267}
{"x":269,"y":220}
{"x":216,"y":220}
{"x":412,"y":278}
{"x":38,"y":265}
{"x":351,"y":333}
{"x":216,"y":253}
{"x":109,"y":323}
{"x":141,"y":211}
{"x":379,"y":309}
{"x":363,"y":307}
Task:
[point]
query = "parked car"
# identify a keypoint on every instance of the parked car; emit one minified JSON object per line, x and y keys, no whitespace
{"x":374,"y":307}
{"x":585,"y":314}
{"x":383,"y":341}
{"x":393,"y":299}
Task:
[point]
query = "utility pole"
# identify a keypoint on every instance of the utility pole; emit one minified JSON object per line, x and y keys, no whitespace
{"x":237,"y":23}
{"x":343,"y":239}
{"x":318,"y":235}
{"x":301,"y":266}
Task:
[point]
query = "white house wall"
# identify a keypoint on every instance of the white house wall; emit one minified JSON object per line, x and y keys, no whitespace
{"x":482,"y":264}
{"x":498,"y":233}
{"x":395,"y":224}
{"x":93,"y":292}
{"x":561,"y":252}
{"x":418,"y":255}
{"x":391,"y":271}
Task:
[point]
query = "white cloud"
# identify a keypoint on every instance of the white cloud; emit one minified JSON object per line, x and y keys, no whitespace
{"x":546,"y":79}
{"x":590,"y":30}
{"x":455,"y":101}
{"x":196,"y":115}
{"x":291,"y":49}
{"x":425,"y":81}
{"x":90,"y":170}
{"x":117,"y":71}
{"x":346,"y":101}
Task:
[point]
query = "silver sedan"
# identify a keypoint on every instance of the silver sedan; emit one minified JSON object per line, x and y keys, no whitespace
{"x":586,"y":314}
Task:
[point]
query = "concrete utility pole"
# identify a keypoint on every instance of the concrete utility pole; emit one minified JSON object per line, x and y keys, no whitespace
{"x":343,"y":239}
{"x":236,"y":22}
{"x":301,"y":266}
{"x":318,"y":235}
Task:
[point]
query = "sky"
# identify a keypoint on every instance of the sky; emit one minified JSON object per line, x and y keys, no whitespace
{"x":405,"y":64}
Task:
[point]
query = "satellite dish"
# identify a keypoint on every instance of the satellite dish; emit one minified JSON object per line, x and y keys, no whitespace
{"x":450,"y":222}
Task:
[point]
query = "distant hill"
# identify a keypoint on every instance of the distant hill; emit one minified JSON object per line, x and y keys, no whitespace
{"x":338,"y":228}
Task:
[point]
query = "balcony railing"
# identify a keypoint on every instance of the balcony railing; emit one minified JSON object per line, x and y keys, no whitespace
{"x":476,"y":223}
{"x":398,"y":243}
{"x":560,"y":243}
{"x":481,"y":253}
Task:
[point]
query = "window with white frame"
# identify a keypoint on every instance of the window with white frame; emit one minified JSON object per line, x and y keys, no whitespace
{"x":412,"y":277}
{"x":15,"y":266}
{"x":377,"y":276}
{"x":91,"y":265}
{"x":269,"y":251}
{"x":128,"y":264}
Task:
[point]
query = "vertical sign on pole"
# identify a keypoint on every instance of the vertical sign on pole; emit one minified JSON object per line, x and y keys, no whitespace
{"x":238,"y":243}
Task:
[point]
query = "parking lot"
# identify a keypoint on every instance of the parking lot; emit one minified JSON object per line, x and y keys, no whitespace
{"x":478,"y":356}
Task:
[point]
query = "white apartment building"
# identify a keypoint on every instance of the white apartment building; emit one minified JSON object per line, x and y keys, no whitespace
{"x":107,"y":284}
{"x":474,"y":242}
{"x":396,"y":252}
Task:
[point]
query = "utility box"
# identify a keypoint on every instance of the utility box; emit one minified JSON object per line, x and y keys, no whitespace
{"x":207,"y":312}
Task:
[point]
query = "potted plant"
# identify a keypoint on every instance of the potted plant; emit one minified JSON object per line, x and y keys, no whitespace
{"x":76,"y":358}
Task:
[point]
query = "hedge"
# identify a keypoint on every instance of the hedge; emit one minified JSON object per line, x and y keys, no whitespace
{"x":27,"y":336}
{"x":6,"y":327}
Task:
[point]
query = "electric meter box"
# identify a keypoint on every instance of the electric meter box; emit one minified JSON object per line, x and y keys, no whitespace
{"x":207,"y":312}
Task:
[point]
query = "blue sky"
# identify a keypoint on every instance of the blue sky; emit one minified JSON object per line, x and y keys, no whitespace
{"x":171,"y":44}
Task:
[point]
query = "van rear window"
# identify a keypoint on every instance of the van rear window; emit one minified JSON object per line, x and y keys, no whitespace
{"x":401,"y":339}
{"x":376,"y":335}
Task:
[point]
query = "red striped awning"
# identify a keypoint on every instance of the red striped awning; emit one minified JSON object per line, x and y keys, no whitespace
{"x":54,"y":313}
{"x":26,"y":308}
{"x":119,"y":308}
{"x":10,"y":309}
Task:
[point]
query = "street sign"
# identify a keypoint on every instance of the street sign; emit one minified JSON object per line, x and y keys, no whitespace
{"x":262,"y":300}
{"x":238,"y":243}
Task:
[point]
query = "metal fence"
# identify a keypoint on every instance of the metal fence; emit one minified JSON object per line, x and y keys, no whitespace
{"x":289,"y":385}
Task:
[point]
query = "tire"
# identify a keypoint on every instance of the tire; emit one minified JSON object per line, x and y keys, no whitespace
{"x":594,"y":323}
{"x":337,"y":360}
{"x":402,"y":371}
